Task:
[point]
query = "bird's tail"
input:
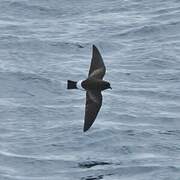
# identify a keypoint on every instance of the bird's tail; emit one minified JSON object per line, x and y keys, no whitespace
{"x":71,"y":84}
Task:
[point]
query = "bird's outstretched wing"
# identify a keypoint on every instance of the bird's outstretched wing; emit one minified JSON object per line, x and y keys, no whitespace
{"x":97,"y":68}
{"x":93,"y":105}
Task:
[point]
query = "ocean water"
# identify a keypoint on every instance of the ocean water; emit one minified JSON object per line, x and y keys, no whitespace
{"x":136,"y":135}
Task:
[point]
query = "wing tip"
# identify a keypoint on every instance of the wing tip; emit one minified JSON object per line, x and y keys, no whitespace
{"x":85,"y":129}
{"x":95,"y":52}
{"x":94,"y":47}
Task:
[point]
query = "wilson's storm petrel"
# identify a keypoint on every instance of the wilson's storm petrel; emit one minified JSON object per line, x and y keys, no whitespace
{"x":93,"y":86}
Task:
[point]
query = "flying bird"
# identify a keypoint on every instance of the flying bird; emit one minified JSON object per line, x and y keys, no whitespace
{"x":93,"y":86}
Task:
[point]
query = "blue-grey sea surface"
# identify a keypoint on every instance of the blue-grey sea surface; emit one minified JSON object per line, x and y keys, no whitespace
{"x":136,"y":135}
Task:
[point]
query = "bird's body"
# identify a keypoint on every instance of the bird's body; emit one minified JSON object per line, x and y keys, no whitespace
{"x":93,"y":86}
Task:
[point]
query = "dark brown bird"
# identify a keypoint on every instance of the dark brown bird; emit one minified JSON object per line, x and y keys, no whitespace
{"x":93,"y":86}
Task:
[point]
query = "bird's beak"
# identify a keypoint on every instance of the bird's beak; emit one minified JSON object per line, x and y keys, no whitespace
{"x":110,"y":87}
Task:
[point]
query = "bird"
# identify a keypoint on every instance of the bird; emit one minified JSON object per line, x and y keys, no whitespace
{"x":93,"y":85}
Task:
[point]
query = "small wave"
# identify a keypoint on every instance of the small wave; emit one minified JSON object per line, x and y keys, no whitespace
{"x":147,"y":31}
{"x":161,"y":63}
{"x":54,"y":158}
{"x":68,"y":44}
{"x":131,"y":171}
{"x":175,"y":133}
{"x":140,"y":31}
{"x":24,"y":75}
{"x":30,"y":83}
{"x":90,"y":164}
{"x":32,"y":77}
{"x":93,"y":177}
{"x":32,"y":10}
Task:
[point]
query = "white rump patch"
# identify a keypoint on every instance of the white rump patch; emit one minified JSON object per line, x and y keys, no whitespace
{"x":79,"y":86}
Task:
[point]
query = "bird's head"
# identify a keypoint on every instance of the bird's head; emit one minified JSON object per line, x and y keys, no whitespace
{"x":107,"y":85}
